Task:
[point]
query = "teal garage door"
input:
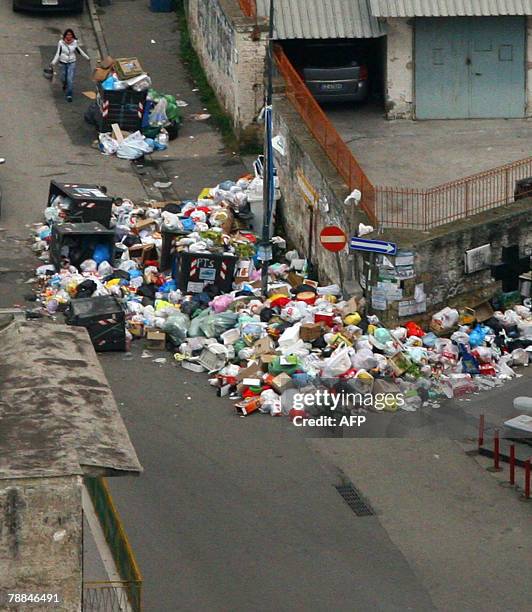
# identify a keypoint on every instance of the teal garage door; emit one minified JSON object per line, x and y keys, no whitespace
{"x":469,"y":67}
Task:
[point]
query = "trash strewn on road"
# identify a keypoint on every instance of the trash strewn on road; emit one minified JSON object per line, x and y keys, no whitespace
{"x":186,"y":277}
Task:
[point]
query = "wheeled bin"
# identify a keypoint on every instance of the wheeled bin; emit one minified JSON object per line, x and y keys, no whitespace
{"x":87,"y":202}
{"x":104,"y":320}
{"x":77,"y":242}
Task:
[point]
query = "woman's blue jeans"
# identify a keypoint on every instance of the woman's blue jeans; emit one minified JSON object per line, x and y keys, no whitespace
{"x":69,"y":71}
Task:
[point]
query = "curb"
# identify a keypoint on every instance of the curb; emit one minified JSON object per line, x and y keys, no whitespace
{"x":98,"y":29}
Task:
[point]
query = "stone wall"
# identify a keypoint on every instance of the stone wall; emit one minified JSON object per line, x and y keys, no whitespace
{"x":232,"y":49}
{"x":399,"y":81}
{"x":305,"y":158}
{"x":439,"y":259}
{"x":41,"y":539}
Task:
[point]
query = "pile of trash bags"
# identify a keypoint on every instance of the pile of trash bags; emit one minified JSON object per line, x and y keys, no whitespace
{"x":260,"y":349}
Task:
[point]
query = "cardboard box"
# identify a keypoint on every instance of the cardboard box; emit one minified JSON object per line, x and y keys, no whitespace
{"x":155,"y":340}
{"x":279,"y":289}
{"x":128,"y":67}
{"x":252,"y":371}
{"x":142,"y":224}
{"x":263,"y":346}
{"x":243,"y":270}
{"x":309,"y":332}
{"x":265,"y":360}
{"x":295,"y":279}
{"x":281,"y":382}
{"x":483,"y":312}
{"x":143,"y":253}
{"x":101,"y":72}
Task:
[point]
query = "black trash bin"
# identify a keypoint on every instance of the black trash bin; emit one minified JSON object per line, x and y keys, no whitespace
{"x":523,"y":189}
{"x":89,"y":202}
{"x":104,"y":320}
{"x":194,"y":271}
{"x":78,"y":241}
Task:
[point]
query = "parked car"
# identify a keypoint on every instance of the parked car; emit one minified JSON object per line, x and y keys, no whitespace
{"x":48,"y":5}
{"x":335,"y":73}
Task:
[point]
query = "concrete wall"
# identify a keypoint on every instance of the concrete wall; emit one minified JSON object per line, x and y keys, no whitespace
{"x":306,"y":157}
{"x":232,"y":50}
{"x":41,"y":540}
{"x":399,"y":87}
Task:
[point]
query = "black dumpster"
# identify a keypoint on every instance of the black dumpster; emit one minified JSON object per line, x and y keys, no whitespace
{"x":77,"y":242}
{"x":125,"y":107}
{"x":103,"y":318}
{"x":194,"y":271}
{"x":89,"y":202}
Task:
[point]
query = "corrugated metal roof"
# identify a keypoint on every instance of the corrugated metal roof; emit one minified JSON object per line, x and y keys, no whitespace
{"x":449,"y":8}
{"x":322,"y":19}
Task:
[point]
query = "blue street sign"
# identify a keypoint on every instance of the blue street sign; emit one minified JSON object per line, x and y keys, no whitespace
{"x":372,"y":246}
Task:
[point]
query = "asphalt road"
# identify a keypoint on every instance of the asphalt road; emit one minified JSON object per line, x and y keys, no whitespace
{"x":230,"y":513}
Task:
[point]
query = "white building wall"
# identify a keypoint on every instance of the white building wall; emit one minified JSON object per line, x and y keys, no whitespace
{"x":400,"y":69}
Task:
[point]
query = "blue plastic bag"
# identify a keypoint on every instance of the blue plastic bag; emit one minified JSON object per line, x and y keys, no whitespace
{"x":102,"y":252}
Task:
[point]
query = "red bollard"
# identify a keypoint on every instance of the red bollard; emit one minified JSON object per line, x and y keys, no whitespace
{"x":481,"y":431}
{"x":527,"y":479}
{"x":512,"y":464}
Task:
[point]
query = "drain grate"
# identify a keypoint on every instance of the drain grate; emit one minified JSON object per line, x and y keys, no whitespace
{"x":354,"y":500}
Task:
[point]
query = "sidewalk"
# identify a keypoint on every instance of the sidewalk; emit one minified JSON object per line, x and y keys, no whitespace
{"x":197,"y":158}
{"x":465,"y":536}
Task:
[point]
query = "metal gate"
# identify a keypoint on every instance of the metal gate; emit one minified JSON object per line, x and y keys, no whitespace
{"x":470,"y":67}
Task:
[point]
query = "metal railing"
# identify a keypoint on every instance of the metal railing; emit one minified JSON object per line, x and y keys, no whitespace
{"x":325,"y":133}
{"x":106,"y":597}
{"x":427,"y":208}
{"x":249,"y":7}
{"x":402,"y":207}
{"x":121,"y":550}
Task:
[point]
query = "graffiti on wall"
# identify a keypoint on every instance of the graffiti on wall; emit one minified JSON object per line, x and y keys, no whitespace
{"x":217,"y":34}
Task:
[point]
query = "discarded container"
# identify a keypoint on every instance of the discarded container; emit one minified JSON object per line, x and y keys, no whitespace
{"x":86,"y":202}
{"x":104,"y":320}
{"x":77,"y":242}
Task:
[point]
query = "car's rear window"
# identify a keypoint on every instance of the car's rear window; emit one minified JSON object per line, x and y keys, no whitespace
{"x":329,"y":56}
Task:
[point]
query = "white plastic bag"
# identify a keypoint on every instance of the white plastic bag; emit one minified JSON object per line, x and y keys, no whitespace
{"x":108,"y":145}
{"x":158,"y":115}
{"x":446,"y":318}
{"x":133,"y":147}
{"x":337,"y":364}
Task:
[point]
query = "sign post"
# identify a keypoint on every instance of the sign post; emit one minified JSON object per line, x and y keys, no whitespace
{"x":372,"y":246}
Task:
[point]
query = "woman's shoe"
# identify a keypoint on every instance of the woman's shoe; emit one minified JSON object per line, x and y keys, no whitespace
{"x":69,"y":98}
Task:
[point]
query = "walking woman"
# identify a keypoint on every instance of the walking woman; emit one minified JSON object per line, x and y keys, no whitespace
{"x":66,"y":56}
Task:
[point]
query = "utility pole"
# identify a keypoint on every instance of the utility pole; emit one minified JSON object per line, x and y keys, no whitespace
{"x":265,"y":252}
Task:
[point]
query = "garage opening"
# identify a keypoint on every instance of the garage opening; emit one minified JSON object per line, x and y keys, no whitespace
{"x":345,"y":73}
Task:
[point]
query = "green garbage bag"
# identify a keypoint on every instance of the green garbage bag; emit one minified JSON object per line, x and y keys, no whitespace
{"x":275,"y":366}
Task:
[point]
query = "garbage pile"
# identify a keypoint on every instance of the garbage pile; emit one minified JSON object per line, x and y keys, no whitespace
{"x":188,"y":278}
{"x":133,"y":118}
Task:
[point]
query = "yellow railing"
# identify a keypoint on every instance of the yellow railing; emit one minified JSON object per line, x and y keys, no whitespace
{"x":118,"y":543}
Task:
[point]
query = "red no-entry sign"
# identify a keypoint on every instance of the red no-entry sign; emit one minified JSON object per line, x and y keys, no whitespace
{"x":333,"y":238}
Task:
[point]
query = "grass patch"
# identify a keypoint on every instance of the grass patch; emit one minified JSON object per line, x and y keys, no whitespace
{"x":219,"y":117}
